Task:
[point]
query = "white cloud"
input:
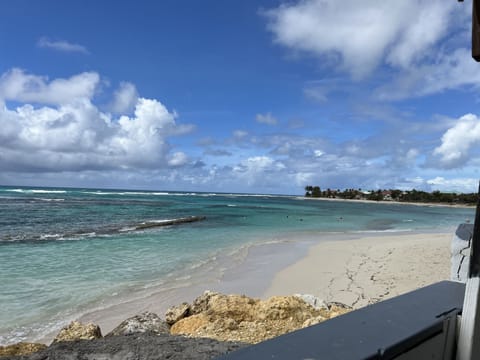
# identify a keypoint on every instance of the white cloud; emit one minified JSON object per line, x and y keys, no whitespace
{"x":19,"y":86}
{"x":65,"y":131}
{"x":361,"y":33}
{"x":125,"y":98}
{"x":258,"y":170}
{"x":178,"y":159}
{"x":267,"y":119}
{"x":450,"y":71}
{"x":61,"y":45}
{"x":464,"y":185}
{"x":303,"y":178}
{"x":46,"y":135}
{"x":458,"y":142}
{"x":424,"y":23}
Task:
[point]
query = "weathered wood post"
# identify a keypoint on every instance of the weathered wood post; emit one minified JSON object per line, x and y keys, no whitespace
{"x":468,"y":347}
{"x":475,"y":29}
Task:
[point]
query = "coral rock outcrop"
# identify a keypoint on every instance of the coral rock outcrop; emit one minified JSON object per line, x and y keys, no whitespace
{"x":78,"y":331}
{"x":241,"y":318}
{"x":176,"y":313}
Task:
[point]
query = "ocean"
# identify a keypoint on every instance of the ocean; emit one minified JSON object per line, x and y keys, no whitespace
{"x":65,"y":252}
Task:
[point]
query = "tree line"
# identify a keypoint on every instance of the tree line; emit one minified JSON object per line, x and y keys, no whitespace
{"x":393,"y":195}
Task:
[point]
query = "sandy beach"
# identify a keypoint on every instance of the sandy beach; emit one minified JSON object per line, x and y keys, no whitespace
{"x":362,"y":271}
{"x":343,"y":268}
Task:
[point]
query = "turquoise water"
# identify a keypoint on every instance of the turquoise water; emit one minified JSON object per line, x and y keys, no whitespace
{"x":64,"y":251}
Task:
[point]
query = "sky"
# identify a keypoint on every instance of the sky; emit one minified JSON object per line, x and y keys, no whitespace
{"x":239,"y":96}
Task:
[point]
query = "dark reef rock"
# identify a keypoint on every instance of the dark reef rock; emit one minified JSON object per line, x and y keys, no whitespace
{"x":146,"y":322}
{"x":184,"y":220}
{"x":22,"y":348}
{"x":132,"y":347}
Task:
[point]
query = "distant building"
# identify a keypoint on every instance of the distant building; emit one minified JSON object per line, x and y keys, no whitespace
{"x":387,"y":195}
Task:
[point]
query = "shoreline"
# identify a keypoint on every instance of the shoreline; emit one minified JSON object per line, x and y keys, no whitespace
{"x":349,"y":272}
{"x":389,"y":202}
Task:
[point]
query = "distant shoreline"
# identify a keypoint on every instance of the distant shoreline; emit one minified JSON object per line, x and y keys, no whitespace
{"x":389,"y":202}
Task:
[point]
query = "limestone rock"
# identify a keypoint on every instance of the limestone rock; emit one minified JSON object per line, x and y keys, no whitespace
{"x":176,"y":313}
{"x":240,"y":318}
{"x":237,"y":307}
{"x":285,"y":308}
{"x":78,"y":331}
{"x":145,"y":322}
{"x":200,"y":304}
{"x":21,"y":348}
{"x":193,"y":325}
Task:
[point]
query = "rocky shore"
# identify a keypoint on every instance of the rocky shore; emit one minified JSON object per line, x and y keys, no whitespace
{"x":213,"y":324}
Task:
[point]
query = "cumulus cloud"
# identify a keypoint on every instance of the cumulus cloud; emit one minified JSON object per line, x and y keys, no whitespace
{"x":455,"y":184}
{"x":61,"y":45}
{"x":458,"y":142}
{"x":267,"y":119}
{"x":178,"y":159}
{"x":361,"y":34}
{"x":451,"y":71}
{"x":258,"y":170}
{"x":65,"y":131}
{"x":125,"y":98}
{"x":17,"y":85}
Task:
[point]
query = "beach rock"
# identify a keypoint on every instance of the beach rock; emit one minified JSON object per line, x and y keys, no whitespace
{"x":191,"y":326}
{"x":145,"y":346}
{"x":78,"y":331}
{"x":145,"y":322}
{"x":176,"y":313}
{"x":200,"y":304}
{"x":21,"y":348}
{"x":289,"y":308}
{"x":248,"y":320}
{"x":237,"y":307}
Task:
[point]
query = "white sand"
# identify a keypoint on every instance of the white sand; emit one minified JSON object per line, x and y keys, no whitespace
{"x":363,"y":271}
{"x":356,"y":272}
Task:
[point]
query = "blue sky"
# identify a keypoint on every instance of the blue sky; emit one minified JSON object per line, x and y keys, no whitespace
{"x":239,"y":96}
